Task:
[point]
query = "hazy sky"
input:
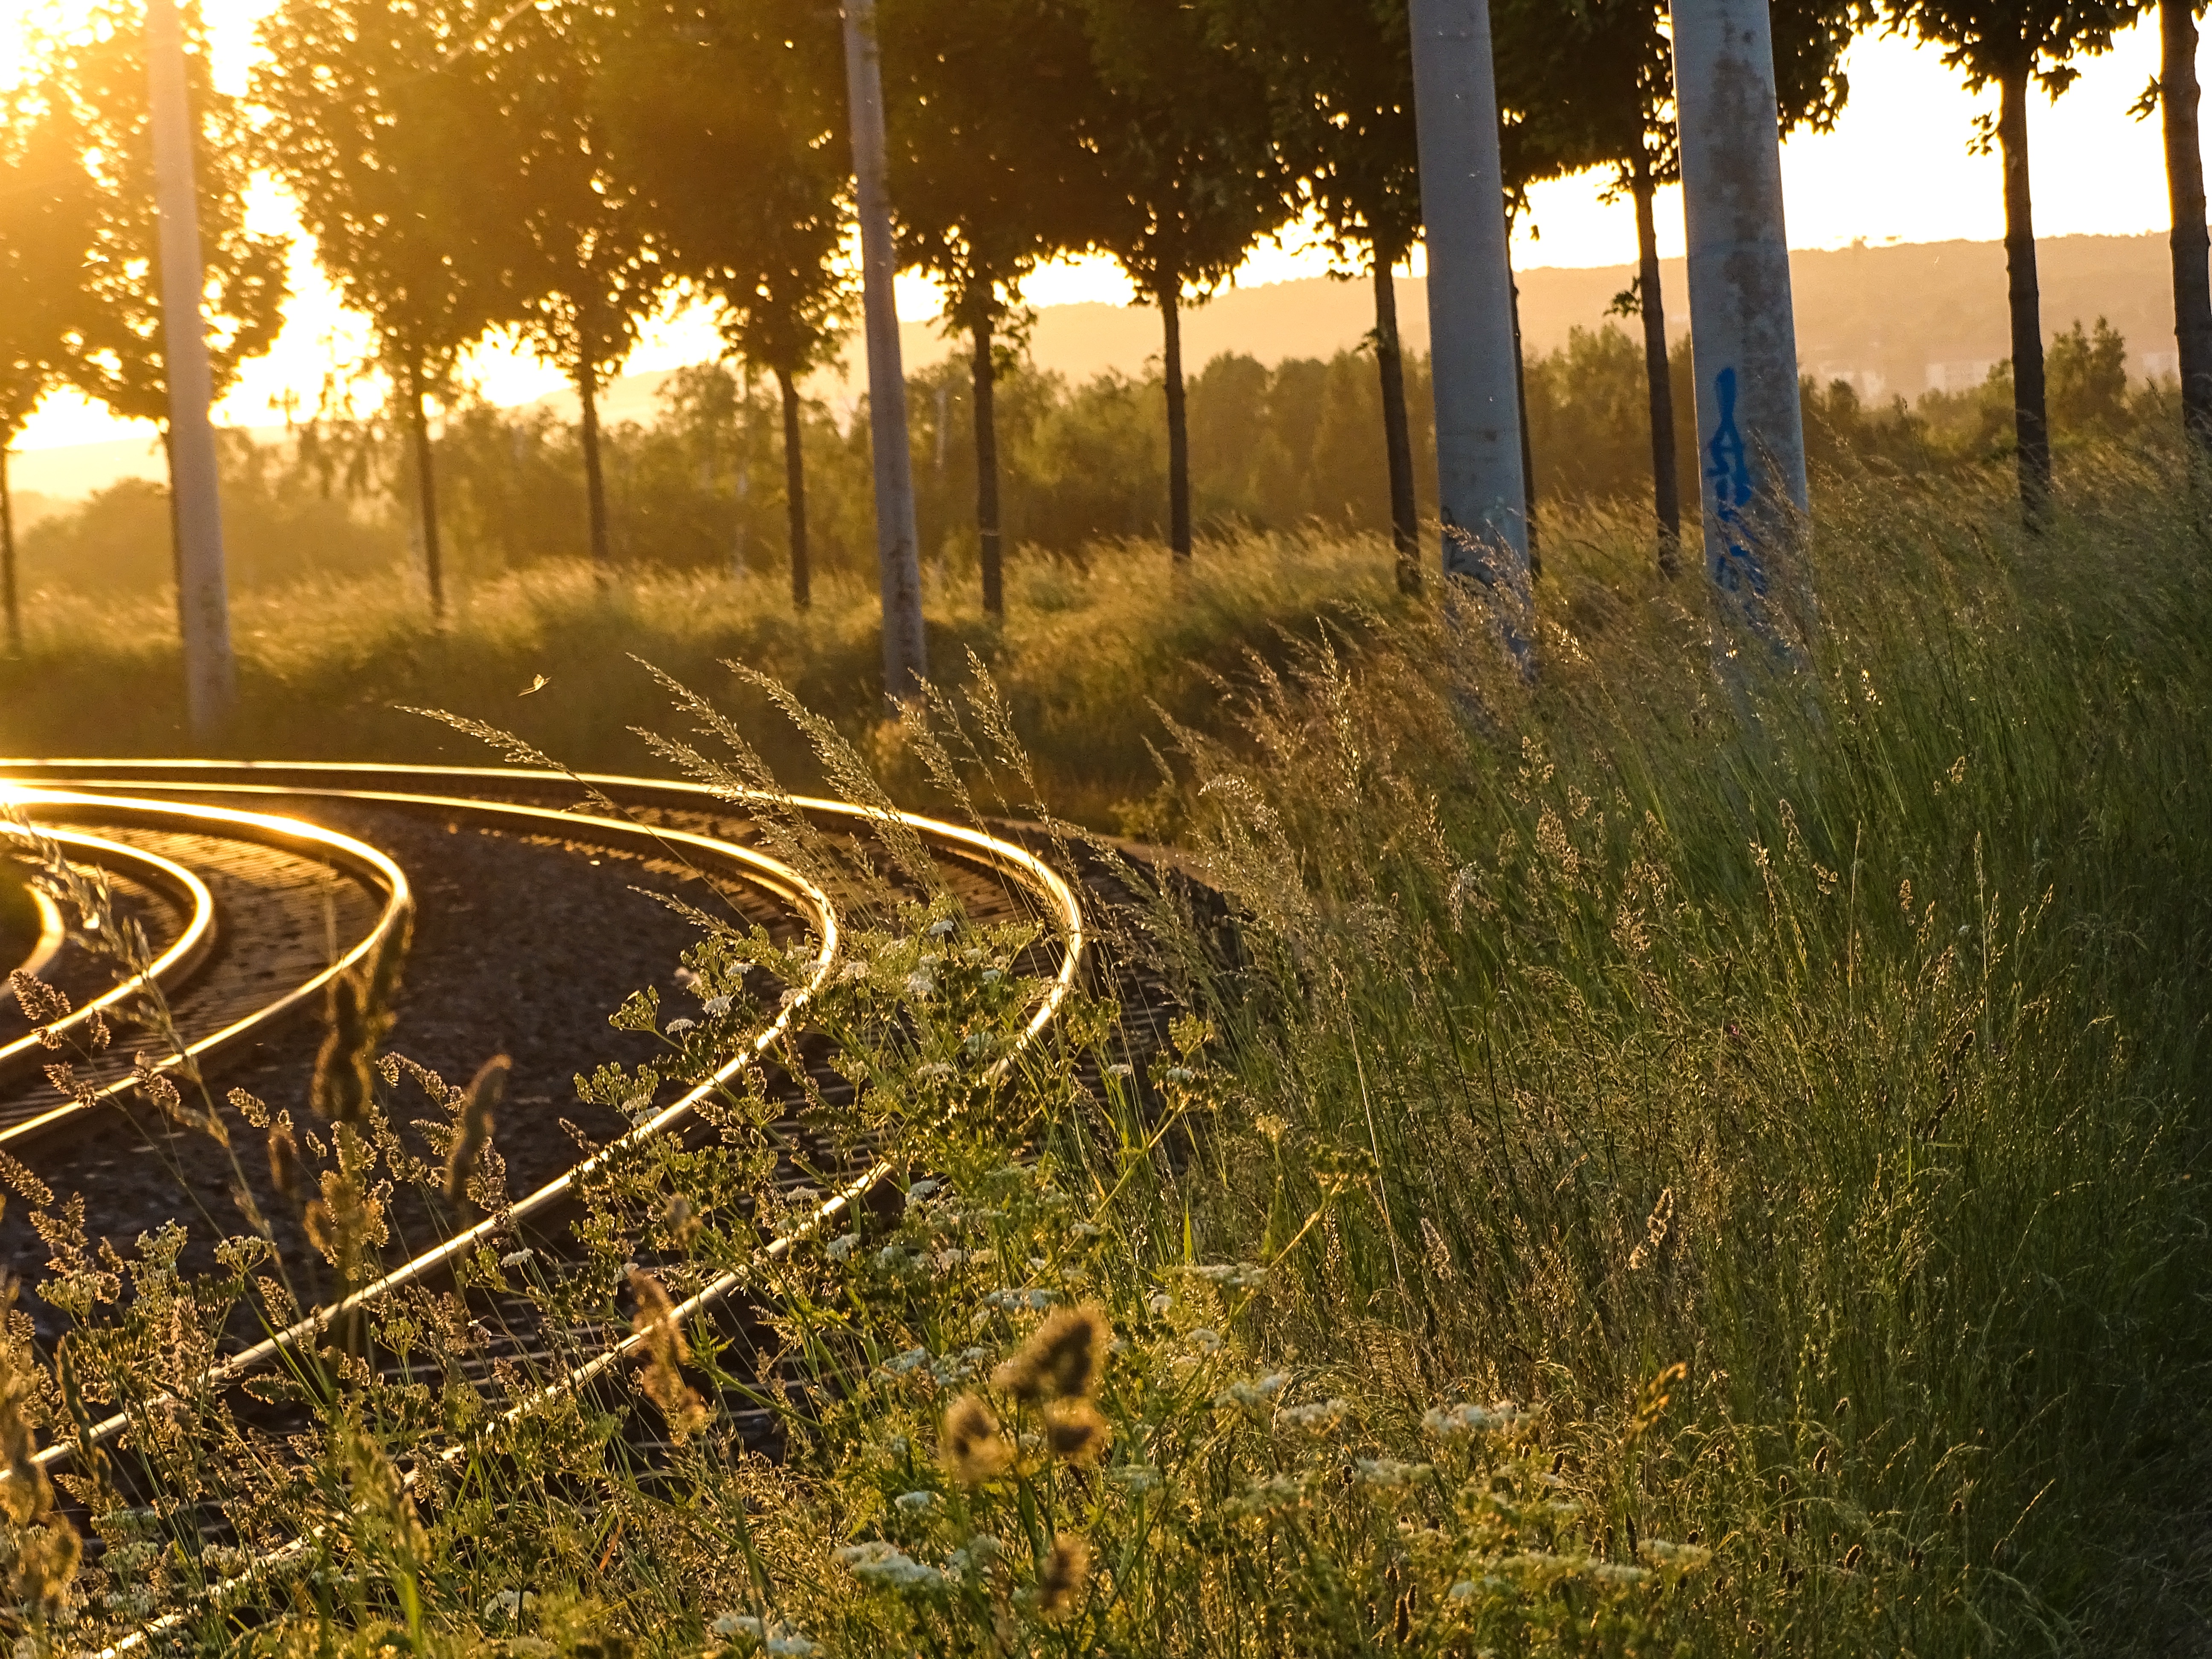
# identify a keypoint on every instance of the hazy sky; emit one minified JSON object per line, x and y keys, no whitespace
{"x":1895,"y":169}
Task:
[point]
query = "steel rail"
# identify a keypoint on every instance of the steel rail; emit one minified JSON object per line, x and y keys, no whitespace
{"x":338,"y":849}
{"x":992,"y":852}
{"x":765,"y":870}
{"x":166,"y":972}
{"x":53,"y":934}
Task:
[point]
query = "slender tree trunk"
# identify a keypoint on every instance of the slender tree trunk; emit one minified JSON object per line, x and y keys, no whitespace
{"x":426,"y":494}
{"x":1666,"y":490}
{"x":1178,"y":425}
{"x":1397,"y":438}
{"x":898,"y":555}
{"x":987,"y":471}
{"x":794,"y":490}
{"x":2178,"y":95}
{"x":2031,"y":420}
{"x":176,"y":529}
{"x":7,"y":561}
{"x":203,"y":588}
{"x":1521,"y":405}
{"x":595,"y":484}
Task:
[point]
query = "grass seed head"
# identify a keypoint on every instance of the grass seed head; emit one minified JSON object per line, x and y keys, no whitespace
{"x":972,"y":1446}
{"x":1076,"y":1431}
{"x":42,"y":1004}
{"x":1066,"y":1570}
{"x":486,"y":1090}
{"x":1061,"y":1360}
{"x":285,"y":1169}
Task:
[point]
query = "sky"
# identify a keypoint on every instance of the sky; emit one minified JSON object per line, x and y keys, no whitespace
{"x":1896,"y":168}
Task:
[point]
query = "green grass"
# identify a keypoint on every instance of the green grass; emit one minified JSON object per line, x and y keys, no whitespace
{"x":1833,"y":1036}
{"x":323,"y":672}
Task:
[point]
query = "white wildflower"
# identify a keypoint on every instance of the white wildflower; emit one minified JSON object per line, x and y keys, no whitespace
{"x":1387,"y":1471}
{"x":899,"y":1365}
{"x":1318,"y":1417}
{"x":915,"y":1502}
{"x":1158,"y":1302}
{"x":1120,"y":1068}
{"x":1254,"y":1394}
{"x":1136,"y":1478}
{"x":1181,"y":1074}
{"x":935,"y":1071}
{"x":919,"y":984}
{"x":888,"y":1567}
{"x":943,"y":927}
{"x":1205,"y":1339}
{"x":731,"y":1626}
{"x":920,"y":1190}
{"x":516,"y":1258}
{"x":851,"y":971}
{"x":1459,"y":1422}
{"x":718,"y":1006}
{"x":841,"y":1247}
{"x":1616,"y":1572}
{"x":678,"y":1027}
{"x":507,"y":1606}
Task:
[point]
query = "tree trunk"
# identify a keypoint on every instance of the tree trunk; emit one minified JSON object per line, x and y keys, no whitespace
{"x":987,"y":471}
{"x":1666,"y":491}
{"x":7,"y":561}
{"x":794,"y":490}
{"x":1397,"y":439}
{"x":2031,"y":421}
{"x":1520,"y":405}
{"x":1178,"y":426}
{"x":595,"y":486}
{"x":426,"y":494}
{"x":2185,"y":182}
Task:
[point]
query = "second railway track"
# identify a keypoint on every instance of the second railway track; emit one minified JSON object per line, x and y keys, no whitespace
{"x":528,"y":926}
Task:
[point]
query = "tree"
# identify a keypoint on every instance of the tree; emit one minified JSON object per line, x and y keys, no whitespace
{"x":580,"y":273}
{"x":727,"y":121}
{"x":47,"y":217}
{"x":994,"y":168}
{"x":120,"y":362}
{"x":1591,"y":85}
{"x":370,"y":102}
{"x":2013,"y":42}
{"x":1340,"y":84}
{"x":1189,"y":147}
{"x":2175,"y":94}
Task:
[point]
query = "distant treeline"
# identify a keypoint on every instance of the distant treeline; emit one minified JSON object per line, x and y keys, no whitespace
{"x":1298,"y":444}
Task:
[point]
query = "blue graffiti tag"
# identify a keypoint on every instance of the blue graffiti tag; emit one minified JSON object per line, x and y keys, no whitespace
{"x":1728,"y":470}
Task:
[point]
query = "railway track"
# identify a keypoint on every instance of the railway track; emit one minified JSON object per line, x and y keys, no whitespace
{"x":254,"y":886}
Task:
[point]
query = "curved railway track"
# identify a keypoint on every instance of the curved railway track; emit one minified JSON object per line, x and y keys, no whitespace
{"x":256,"y":885}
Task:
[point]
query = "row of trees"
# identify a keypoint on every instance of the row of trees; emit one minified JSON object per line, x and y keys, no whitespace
{"x":558,"y":171}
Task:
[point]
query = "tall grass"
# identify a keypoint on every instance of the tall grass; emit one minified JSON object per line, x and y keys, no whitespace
{"x":1675,"y":1157}
{"x":1085,"y":651}
{"x":1854,"y":1062}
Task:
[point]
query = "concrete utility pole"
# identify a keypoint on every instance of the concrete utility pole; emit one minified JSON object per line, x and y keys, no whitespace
{"x":203,"y":599}
{"x":906,"y":660}
{"x":1482,"y":498}
{"x":1743,"y":339}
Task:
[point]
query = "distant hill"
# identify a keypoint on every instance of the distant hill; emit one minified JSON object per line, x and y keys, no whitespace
{"x":1893,"y":319}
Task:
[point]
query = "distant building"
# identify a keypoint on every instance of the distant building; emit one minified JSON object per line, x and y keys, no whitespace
{"x":1960,"y":374}
{"x":1871,"y":384}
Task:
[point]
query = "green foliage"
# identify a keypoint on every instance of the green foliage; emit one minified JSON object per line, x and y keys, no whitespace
{"x":1644,"y":1181}
{"x":101,"y":62}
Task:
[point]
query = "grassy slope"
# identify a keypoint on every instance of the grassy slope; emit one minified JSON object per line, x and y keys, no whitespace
{"x":1851,"y":1063}
{"x":322,"y":671}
